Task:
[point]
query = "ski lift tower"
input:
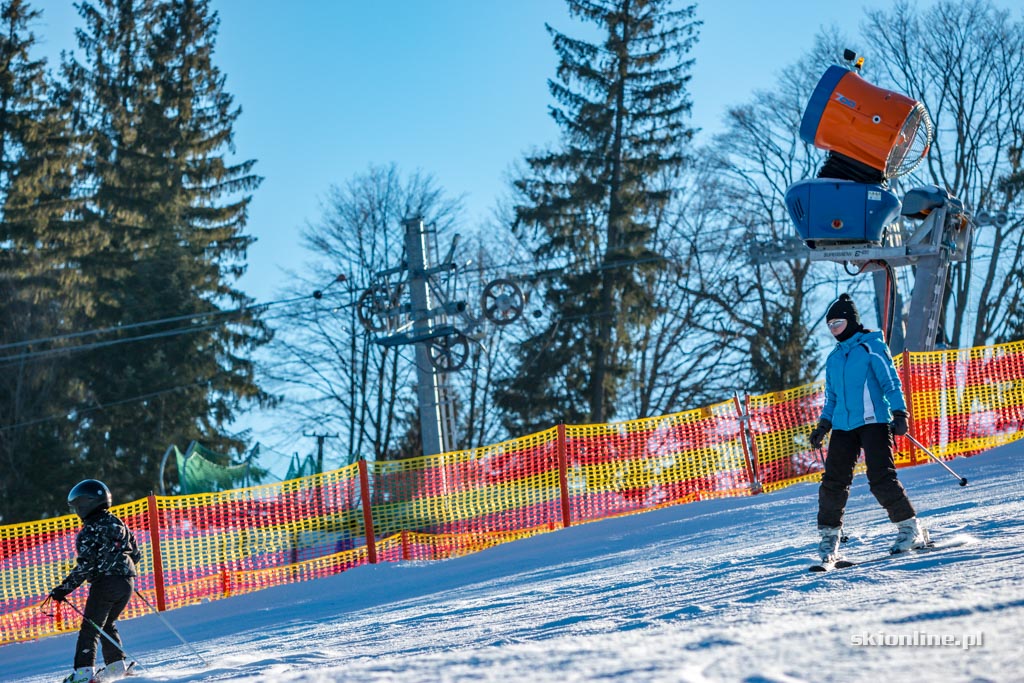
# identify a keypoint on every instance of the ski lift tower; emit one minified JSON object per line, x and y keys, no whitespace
{"x":426,"y":320}
{"x":437,"y":423}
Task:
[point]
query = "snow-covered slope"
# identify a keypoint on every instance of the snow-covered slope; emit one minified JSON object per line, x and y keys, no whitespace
{"x":711,"y":591}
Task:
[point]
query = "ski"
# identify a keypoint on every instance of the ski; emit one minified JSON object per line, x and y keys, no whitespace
{"x":830,"y":566}
{"x":844,"y":564}
{"x":824,"y":566}
{"x":889,"y":556}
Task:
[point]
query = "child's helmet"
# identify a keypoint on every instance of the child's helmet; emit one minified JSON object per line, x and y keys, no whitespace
{"x":88,"y":496}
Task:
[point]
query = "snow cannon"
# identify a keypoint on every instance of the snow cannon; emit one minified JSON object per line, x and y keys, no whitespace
{"x":855,"y":120}
{"x":831,"y":212}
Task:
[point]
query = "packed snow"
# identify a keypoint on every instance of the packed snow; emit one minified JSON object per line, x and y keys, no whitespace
{"x":710,"y":591}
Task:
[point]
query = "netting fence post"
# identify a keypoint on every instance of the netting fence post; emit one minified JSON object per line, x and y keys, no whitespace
{"x":563,"y":479}
{"x":154,"y":544}
{"x":908,"y":392}
{"x":364,"y":492}
{"x":743,"y":415}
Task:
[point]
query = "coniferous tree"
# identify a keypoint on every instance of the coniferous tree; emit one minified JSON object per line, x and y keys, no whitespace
{"x":40,"y":249}
{"x":171,"y":211}
{"x":588,"y":208}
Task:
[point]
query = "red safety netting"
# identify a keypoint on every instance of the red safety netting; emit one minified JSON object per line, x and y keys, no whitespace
{"x":617,"y":468}
{"x":209,"y":546}
{"x":964,"y":401}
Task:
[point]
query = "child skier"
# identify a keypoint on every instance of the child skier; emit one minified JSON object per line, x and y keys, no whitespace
{"x":864,"y":407}
{"x":107,"y":557}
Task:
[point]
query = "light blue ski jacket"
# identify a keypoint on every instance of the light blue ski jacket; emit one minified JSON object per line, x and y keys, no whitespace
{"x":861,"y":383}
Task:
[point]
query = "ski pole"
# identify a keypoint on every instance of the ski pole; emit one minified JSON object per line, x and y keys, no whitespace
{"x":963,"y":480}
{"x":171,"y":628}
{"x":821,"y":457}
{"x":98,"y":629}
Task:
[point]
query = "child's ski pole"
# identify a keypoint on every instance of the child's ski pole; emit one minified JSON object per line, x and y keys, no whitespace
{"x":171,"y":628}
{"x":98,"y":629}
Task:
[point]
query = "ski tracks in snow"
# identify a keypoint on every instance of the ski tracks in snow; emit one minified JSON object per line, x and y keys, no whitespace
{"x":713,"y":591}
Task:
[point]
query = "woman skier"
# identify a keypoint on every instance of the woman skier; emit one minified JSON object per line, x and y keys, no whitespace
{"x":864,"y":407}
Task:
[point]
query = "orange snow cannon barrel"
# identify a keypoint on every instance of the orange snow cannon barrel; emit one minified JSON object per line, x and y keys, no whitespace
{"x":883,"y":129}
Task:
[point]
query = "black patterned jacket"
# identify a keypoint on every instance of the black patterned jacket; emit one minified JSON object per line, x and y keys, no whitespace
{"x":106,"y":547}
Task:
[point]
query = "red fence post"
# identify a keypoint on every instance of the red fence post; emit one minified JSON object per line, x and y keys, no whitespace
{"x":743,"y":418}
{"x":364,"y":486}
{"x":755,"y":455}
{"x":158,"y":563}
{"x":908,"y":392}
{"x":563,"y":479}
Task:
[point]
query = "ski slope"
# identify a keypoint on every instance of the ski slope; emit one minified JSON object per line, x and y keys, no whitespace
{"x":710,"y":591}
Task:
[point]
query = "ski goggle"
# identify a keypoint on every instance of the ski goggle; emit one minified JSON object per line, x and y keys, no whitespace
{"x":834,"y":324}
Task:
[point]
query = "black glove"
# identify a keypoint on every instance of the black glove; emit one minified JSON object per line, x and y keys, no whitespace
{"x":818,"y":435}
{"x":59,"y":594}
{"x":899,"y":425}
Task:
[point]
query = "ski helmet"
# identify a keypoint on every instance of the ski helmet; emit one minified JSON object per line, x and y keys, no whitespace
{"x":88,"y":496}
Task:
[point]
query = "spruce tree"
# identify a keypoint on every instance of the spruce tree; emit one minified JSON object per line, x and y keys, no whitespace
{"x":588,"y":208}
{"x":172,"y":211}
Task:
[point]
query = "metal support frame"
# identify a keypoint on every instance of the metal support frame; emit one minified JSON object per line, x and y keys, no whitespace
{"x":939,"y":240}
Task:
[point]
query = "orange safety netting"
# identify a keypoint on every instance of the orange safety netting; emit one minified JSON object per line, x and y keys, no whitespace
{"x":213,"y":545}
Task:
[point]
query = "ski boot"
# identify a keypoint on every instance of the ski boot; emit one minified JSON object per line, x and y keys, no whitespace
{"x":82,"y":674}
{"x":910,"y":535}
{"x":828,"y":547}
{"x":114,"y":671}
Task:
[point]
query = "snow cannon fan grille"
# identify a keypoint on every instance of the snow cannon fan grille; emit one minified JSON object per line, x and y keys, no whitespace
{"x":912,"y":143}
{"x":882,"y":129}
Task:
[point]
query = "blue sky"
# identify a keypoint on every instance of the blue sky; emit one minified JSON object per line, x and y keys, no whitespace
{"x":456,"y":88}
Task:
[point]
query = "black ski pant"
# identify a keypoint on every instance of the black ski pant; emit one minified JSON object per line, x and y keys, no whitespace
{"x":108,"y":597}
{"x":843,"y":449}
